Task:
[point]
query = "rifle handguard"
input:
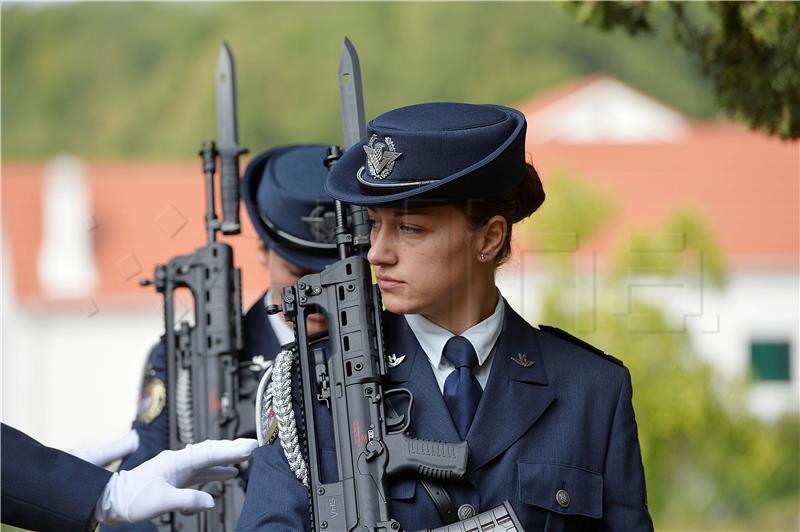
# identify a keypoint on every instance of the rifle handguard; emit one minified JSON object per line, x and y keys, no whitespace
{"x":427,"y":458}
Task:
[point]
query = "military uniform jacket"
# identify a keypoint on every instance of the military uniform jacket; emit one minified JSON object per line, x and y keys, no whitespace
{"x":557,"y":438}
{"x":46,"y":489}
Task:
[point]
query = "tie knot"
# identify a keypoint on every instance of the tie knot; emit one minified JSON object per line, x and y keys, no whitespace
{"x":459,"y":351}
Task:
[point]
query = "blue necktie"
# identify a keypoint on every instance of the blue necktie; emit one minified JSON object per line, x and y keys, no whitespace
{"x":462,"y":392}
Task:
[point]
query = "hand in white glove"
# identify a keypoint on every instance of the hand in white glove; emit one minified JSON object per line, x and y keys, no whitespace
{"x":105,"y":453}
{"x":155,"y":487}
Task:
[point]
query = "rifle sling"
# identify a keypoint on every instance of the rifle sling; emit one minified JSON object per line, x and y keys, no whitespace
{"x":442,"y":500}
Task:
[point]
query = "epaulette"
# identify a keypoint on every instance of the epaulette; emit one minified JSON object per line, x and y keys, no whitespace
{"x":555,"y":331}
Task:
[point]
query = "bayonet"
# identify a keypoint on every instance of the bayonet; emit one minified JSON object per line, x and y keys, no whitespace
{"x":352,"y":95}
{"x":355,"y":129}
{"x":228,"y":140}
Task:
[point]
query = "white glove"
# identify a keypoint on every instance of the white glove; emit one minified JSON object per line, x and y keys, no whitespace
{"x":105,"y":453}
{"x":155,"y":487}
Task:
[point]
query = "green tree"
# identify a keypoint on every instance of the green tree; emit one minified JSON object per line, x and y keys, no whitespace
{"x":750,"y":50}
{"x":135,"y":79}
{"x":709,"y":463}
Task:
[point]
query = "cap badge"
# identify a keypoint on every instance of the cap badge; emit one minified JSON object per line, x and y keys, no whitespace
{"x":393,"y":360}
{"x":380,"y":161}
{"x":522,"y":360}
{"x":322,"y":222}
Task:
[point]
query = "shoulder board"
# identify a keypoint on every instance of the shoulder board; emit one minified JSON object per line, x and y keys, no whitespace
{"x":555,"y":331}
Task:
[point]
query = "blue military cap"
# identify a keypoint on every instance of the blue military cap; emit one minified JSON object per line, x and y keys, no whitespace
{"x":283,"y":192}
{"x":433,"y":151}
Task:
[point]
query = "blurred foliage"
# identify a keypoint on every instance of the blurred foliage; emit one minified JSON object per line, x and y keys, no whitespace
{"x":709,"y":463}
{"x":558,"y":230}
{"x":133,"y":79}
{"x":682,"y":243}
{"x":750,"y":50}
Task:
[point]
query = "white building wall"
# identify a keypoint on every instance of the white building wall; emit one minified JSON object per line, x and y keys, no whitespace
{"x":71,"y":379}
{"x":753,"y":305}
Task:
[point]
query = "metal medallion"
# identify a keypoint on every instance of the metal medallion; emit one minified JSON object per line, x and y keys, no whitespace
{"x":380,"y":161}
{"x":152,"y":400}
{"x":322,"y":222}
{"x":562,"y":498}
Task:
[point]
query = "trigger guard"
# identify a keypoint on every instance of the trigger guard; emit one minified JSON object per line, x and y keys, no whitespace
{"x":401,"y":421}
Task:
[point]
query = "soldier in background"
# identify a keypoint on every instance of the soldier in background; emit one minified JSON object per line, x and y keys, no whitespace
{"x":283,"y":193}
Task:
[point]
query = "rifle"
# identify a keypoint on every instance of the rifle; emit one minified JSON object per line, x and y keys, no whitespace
{"x":371,"y":440}
{"x":202,"y":361}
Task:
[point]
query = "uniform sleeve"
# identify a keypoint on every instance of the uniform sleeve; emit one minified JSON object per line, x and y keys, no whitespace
{"x":625,"y":494}
{"x":46,"y":489}
{"x":153,"y":435}
{"x":275,"y":499}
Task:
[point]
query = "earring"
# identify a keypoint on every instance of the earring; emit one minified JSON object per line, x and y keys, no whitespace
{"x":482,"y":257}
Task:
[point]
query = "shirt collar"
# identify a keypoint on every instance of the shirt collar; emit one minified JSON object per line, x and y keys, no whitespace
{"x":283,"y":332}
{"x":482,"y":335}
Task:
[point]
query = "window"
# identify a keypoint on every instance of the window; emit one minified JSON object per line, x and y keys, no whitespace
{"x":769,"y":360}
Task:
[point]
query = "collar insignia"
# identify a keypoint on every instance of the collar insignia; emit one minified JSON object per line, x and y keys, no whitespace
{"x":522,"y":360}
{"x":322,"y":222}
{"x":380,"y":161}
{"x":394,"y":360}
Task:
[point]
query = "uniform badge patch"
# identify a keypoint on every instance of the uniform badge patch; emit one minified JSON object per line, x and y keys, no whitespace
{"x":271,"y":424}
{"x":380,"y":161}
{"x":152,"y":400}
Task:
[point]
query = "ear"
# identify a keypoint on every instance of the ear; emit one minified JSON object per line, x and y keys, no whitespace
{"x":493,"y":237}
{"x":263,"y":254}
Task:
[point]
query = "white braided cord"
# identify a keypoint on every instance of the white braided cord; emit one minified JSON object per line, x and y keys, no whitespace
{"x":263,"y":404}
{"x":183,"y":406}
{"x":280,"y":388}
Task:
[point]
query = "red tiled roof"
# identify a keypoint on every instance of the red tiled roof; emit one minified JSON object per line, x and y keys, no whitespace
{"x":144,"y":213}
{"x":745,"y":182}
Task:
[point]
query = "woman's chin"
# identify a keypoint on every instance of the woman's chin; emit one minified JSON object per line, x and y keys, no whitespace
{"x":398,"y":305}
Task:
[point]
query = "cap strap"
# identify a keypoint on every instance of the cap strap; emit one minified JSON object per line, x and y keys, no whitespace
{"x":391,"y":185}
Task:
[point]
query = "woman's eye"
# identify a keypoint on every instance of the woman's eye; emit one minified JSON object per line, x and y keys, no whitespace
{"x":409,"y":230}
{"x":373,"y":223}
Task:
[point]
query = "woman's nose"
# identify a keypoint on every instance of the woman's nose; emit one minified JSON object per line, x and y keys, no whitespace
{"x":380,"y":252}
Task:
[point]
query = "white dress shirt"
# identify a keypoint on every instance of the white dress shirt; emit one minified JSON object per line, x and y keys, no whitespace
{"x":482,"y":336}
{"x":283,"y":332}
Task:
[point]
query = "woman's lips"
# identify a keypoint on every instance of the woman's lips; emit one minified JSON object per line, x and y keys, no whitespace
{"x":387,"y":283}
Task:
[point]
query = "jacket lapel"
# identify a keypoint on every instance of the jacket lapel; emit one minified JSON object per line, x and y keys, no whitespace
{"x":430,"y":418}
{"x":515,"y":396}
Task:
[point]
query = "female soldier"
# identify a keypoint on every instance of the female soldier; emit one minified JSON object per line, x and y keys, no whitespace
{"x":548,"y":418}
